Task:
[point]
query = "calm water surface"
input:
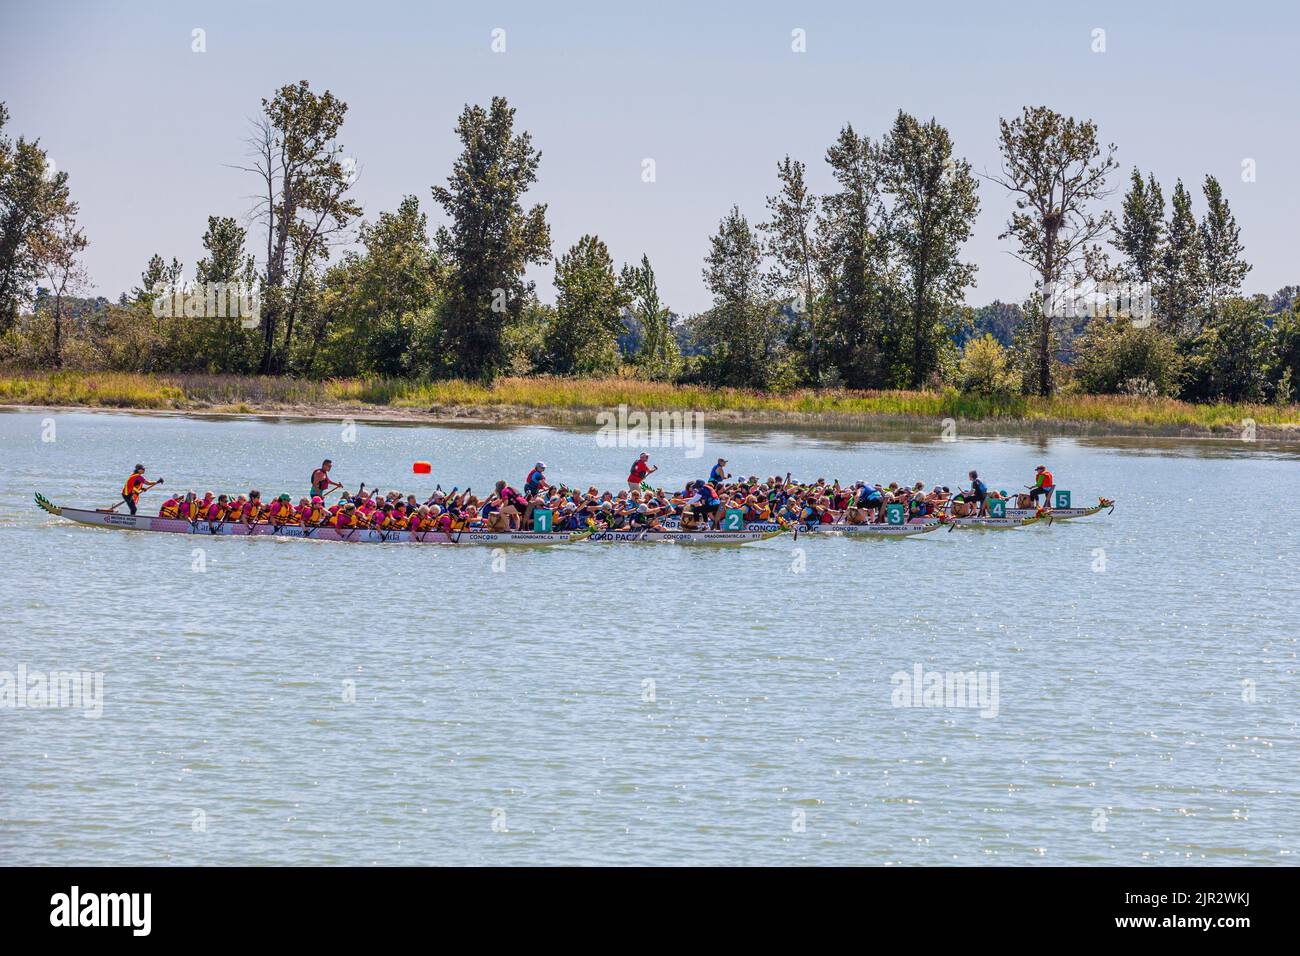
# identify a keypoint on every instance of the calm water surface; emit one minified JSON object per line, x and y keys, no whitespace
{"x":651,"y":703}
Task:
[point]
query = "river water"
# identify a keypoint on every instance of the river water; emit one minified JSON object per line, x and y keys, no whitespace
{"x":305,"y":702}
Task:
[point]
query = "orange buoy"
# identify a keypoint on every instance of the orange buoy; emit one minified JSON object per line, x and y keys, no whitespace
{"x":422,"y":468}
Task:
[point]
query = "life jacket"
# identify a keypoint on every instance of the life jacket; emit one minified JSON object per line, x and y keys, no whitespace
{"x":170,"y":508}
{"x":1045,"y":480}
{"x":132,"y":483}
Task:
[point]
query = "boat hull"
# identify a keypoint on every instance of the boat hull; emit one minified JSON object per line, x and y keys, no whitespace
{"x":868,"y":530}
{"x":1057,"y":514}
{"x":681,"y":537}
{"x":871,"y":530}
{"x":105,"y":519}
{"x":993,"y":524}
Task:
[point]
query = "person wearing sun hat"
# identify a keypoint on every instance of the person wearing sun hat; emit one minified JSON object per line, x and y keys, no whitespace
{"x":1044,"y":484}
{"x":536,"y":479}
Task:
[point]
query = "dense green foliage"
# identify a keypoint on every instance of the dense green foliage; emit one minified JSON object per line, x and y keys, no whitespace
{"x":864,"y":287}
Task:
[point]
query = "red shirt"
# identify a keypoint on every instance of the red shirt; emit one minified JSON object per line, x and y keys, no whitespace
{"x":639,"y":470}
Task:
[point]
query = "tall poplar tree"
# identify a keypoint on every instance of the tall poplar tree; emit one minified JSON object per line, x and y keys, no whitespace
{"x":933,"y":209}
{"x":1056,"y":169}
{"x":740,"y":330}
{"x":1179,"y":276}
{"x":1222,"y":267}
{"x":491,"y":238}
{"x":854,"y":262}
{"x":791,"y":230}
{"x":1139,"y":237}
{"x":589,"y":304}
{"x":658,"y":354}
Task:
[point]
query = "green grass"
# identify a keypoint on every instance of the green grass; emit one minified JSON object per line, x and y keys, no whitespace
{"x":228,"y":392}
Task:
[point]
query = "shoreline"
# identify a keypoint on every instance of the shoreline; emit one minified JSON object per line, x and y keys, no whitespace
{"x":504,"y":415}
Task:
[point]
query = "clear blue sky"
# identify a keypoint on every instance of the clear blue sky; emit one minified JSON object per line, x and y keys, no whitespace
{"x":145,"y":128}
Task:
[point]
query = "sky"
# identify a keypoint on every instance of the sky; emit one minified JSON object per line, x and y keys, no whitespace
{"x":148,"y":130}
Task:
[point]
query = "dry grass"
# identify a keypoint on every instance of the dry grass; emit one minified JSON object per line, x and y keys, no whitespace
{"x":124,"y":390}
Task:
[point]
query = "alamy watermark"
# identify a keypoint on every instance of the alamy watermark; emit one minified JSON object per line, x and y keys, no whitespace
{"x":922,"y":688}
{"x":208,"y":300}
{"x":82,"y":690}
{"x":1087,"y":299}
{"x":622,"y":428}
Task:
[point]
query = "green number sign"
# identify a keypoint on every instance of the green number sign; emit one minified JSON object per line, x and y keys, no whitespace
{"x":1062,"y":499}
{"x":895,"y":514}
{"x":542,"y":520}
{"x":733,"y":520}
{"x":997,"y":507}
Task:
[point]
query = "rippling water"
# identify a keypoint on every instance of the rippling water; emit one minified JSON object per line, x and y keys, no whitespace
{"x":651,"y":703}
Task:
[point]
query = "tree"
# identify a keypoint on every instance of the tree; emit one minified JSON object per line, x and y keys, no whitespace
{"x":1179,"y":276}
{"x":226,"y":260}
{"x":159,"y":278}
{"x":1055,"y":168}
{"x":491,"y":238}
{"x":933,"y":210}
{"x":228,"y":278}
{"x":1229,"y":356}
{"x":740,"y":330}
{"x":855,"y":262}
{"x":33,"y":198}
{"x":1222,"y":266}
{"x":58,"y":248}
{"x":1115,"y":357}
{"x":792,"y":245}
{"x":658,"y":354}
{"x":1286,"y":354}
{"x":589,"y":303}
{"x":985,"y":369}
{"x":1140,"y":234}
{"x":380,"y":294}
{"x":304,"y":180}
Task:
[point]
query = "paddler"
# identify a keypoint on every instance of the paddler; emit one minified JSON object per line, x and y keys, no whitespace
{"x":320,"y":479}
{"x":1044,"y":484}
{"x":718,"y":474}
{"x":251,"y":512}
{"x":216,"y":512}
{"x":345,"y":517}
{"x":978,"y":494}
{"x":135,"y":486}
{"x":641,"y":469}
{"x":281,"y":511}
{"x":190,"y":507}
{"x":536,"y":479}
{"x":171,"y":508}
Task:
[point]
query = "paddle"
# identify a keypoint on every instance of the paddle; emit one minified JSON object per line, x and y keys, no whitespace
{"x":461,"y":530}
